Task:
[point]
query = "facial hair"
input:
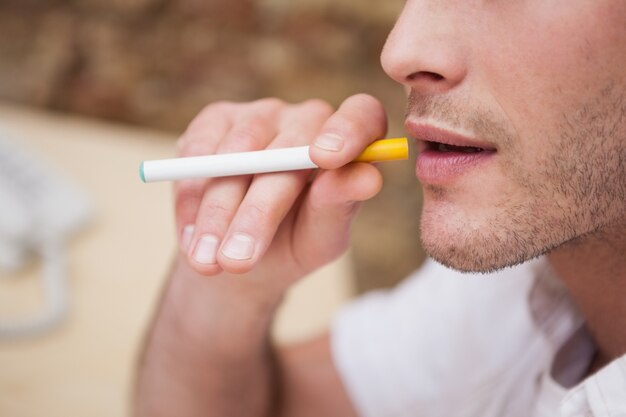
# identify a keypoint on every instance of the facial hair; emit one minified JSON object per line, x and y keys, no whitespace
{"x":575,"y":189}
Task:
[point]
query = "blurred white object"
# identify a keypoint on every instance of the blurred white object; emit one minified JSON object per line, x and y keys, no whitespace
{"x":39,"y":211}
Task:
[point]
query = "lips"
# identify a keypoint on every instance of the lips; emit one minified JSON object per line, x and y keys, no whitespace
{"x":444,"y":156}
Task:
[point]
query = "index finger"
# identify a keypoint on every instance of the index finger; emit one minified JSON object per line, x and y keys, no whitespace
{"x":359,"y":121}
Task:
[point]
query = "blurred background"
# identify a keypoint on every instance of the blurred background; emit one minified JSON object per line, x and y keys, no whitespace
{"x":83,"y":79}
{"x":156,"y":63}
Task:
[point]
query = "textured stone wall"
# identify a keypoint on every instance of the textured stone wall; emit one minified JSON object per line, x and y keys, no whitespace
{"x":158,"y":62}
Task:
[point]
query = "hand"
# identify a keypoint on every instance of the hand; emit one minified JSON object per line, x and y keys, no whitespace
{"x":279,"y":225}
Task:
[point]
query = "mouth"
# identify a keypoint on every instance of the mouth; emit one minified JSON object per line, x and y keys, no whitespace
{"x":447,"y":148}
{"x":446,"y":155}
{"x":436,"y":139}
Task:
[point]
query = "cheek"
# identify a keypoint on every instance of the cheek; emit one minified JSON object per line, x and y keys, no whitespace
{"x":547,"y":60}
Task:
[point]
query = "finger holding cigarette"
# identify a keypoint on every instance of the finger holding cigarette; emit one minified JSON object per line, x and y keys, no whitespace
{"x":257,"y":162}
{"x":287,"y":224}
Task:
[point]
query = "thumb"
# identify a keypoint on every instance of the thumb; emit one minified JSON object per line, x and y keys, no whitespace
{"x":322,"y":229}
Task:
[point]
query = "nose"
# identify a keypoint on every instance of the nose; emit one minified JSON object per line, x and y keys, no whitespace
{"x":424,"y":51}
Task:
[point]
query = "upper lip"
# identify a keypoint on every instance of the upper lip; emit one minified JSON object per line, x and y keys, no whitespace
{"x":428,"y":133}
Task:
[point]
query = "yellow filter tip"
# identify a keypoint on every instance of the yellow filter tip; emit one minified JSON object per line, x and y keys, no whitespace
{"x":385,"y":150}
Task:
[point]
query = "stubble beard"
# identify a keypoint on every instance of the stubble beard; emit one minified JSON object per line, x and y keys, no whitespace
{"x":577,"y":189}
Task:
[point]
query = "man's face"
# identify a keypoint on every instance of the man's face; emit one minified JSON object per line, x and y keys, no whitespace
{"x":528,"y":98}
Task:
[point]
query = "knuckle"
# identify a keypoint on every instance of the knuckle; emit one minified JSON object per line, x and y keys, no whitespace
{"x":317,"y":106}
{"x":192,"y":145}
{"x":363,"y":113}
{"x":347,"y":125}
{"x":198,"y":135}
{"x":219,"y":107}
{"x":222,"y":106}
{"x":247,"y":136}
{"x":215,"y":210}
{"x":249,"y":133}
{"x":269,"y":102}
{"x":365,"y":100}
{"x":257,"y":218}
{"x":256,"y":214}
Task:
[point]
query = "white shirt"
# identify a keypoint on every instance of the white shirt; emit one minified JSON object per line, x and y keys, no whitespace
{"x":449,"y":344}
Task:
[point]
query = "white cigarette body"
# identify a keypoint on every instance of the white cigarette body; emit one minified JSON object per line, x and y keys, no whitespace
{"x":222,"y":165}
{"x":258,"y":162}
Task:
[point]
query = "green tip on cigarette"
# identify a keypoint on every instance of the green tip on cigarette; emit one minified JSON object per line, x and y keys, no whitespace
{"x":141,"y":174}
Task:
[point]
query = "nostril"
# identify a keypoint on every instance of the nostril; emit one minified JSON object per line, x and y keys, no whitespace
{"x":425,"y":75}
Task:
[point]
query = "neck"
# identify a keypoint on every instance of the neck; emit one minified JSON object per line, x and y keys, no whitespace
{"x":593,"y":269}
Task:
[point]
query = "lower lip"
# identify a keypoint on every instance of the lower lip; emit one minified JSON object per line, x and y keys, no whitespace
{"x":435,"y":167}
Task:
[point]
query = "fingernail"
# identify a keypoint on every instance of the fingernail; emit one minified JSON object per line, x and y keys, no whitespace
{"x":239,"y":247}
{"x":187,"y":234}
{"x":329,"y":142}
{"x":206,"y":250}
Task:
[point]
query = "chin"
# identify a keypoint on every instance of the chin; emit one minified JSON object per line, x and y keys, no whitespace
{"x":470,"y":245}
{"x":468,"y":260}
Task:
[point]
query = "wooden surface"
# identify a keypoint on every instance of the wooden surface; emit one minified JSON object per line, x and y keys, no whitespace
{"x":117,"y":266}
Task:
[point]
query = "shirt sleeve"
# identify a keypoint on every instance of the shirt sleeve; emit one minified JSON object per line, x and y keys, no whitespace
{"x":415,"y":349}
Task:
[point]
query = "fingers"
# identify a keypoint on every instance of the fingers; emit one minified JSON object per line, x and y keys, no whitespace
{"x":236,"y":222}
{"x":359,"y":121}
{"x":254,"y":225}
{"x":323,"y":229}
{"x":254,"y":129}
{"x":201,"y":138}
{"x":231,"y":223}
